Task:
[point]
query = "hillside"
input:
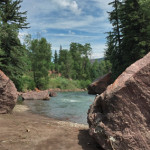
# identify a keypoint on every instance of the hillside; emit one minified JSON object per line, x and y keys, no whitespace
{"x":98,"y":59}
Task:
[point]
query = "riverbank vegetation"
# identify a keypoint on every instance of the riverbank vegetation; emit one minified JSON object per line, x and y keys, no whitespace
{"x":68,"y":69}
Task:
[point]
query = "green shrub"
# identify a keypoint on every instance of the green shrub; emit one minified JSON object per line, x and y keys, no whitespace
{"x":84,"y":83}
{"x":63,"y":83}
{"x":28,"y":83}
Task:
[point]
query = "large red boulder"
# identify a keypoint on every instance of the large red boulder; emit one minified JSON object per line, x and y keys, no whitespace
{"x":100,"y":84}
{"x":119,"y":118}
{"x":8,"y":94}
{"x":34,"y":95}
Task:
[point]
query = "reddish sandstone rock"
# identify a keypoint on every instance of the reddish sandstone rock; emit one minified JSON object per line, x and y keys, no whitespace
{"x":8,"y":94}
{"x":119,"y":118}
{"x":100,"y":84}
{"x":33,"y":95}
{"x":52,"y":93}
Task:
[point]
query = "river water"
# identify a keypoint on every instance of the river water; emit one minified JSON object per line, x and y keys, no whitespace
{"x":68,"y":106}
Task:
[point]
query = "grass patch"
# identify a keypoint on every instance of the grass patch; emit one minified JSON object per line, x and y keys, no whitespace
{"x":63,"y":83}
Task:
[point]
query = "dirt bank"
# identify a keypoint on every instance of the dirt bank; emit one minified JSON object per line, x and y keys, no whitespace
{"x":23,"y":130}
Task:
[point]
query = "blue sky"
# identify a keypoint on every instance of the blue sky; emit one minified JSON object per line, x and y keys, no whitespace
{"x":64,"y":21}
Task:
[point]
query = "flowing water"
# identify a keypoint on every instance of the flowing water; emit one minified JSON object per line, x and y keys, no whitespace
{"x":70,"y":106}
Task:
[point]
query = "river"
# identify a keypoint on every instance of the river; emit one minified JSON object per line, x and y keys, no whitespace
{"x":68,"y":106}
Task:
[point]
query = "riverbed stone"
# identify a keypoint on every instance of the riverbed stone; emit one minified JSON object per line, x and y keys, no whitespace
{"x":100,"y":84}
{"x":34,"y":95}
{"x":8,"y":94}
{"x":119,"y":118}
{"x":52,"y":93}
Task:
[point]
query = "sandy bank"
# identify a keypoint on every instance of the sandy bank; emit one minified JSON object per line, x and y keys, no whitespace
{"x":23,"y":130}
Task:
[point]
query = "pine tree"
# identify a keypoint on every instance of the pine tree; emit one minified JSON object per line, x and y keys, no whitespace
{"x":56,"y":61}
{"x":114,"y":39}
{"x":1,"y":51}
{"x":55,"y":57}
{"x":12,"y":52}
{"x":11,"y":15}
{"x":114,"y":18}
{"x":135,"y":42}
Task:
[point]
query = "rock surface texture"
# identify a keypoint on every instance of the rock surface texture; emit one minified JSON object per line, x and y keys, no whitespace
{"x":52,"y":93}
{"x":119,"y":118}
{"x":8,"y":94}
{"x":33,"y":95}
{"x":100,"y":84}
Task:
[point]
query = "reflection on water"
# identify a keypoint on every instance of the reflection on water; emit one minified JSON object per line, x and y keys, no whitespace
{"x":71,"y":106}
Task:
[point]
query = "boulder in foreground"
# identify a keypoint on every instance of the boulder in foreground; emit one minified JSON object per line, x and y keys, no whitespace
{"x":100,"y":84}
{"x":8,"y":94}
{"x":119,"y":118}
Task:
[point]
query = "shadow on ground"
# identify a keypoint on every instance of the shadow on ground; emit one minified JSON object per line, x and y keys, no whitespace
{"x":87,"y":142}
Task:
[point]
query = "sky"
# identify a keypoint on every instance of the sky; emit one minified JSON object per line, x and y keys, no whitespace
{"x":64,"y":21}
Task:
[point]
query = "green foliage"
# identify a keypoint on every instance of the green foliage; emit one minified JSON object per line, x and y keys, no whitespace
{"x":1,"y":51}
{"x":100,"y":69}
{"x":28,"y":64}
{"x":75,"y":64}
{"x":84,"y":83}
{"x":65,"y":62}
{"x":64,"y":83}
{"x":10,"y":14}
{"x":130,"y":36}
{"x":81,"y":63}
{"x":56,"y":61}
{"x":40,"y":59}
{"x":12,"y":53}
{"x":95,"y":72}
{"x":28,"y":82}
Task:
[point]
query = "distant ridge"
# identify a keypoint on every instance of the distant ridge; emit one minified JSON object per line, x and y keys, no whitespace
{"x":98,"y":59}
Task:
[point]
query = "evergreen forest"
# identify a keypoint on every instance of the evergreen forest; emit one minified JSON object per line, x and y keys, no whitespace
{"x":129,"y":39}
{"x":32,"y":65}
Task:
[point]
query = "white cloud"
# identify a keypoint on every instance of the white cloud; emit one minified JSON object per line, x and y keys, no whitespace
{"x":22,"y":36}
{"x":97,"y":55}
{"x":103,"y":4}
{"x":71,"y":5}
{"x":98,"y":50}
{"x":71,"y":33}
{"x":41,"y":17}
{"x":66,"y":21}
{"x":88,"y":24}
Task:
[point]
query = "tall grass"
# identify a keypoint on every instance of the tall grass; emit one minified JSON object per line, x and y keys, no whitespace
{"x":63,"y":83}
{"x":55,"y":82}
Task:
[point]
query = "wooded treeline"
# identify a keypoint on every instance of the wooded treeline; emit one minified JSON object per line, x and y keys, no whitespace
{"x":29,"y":64}
{"x":72,"y":63}
{"x":75,"y":63}
{"x":129,"y":39}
